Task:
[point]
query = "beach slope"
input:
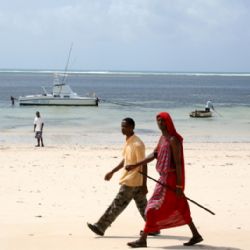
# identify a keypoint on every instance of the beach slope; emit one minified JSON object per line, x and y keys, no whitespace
{"x":47,"y":196}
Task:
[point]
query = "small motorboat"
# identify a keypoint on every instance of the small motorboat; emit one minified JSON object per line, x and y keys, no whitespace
{"x":62,"y":95}
{"x":200,"y":114}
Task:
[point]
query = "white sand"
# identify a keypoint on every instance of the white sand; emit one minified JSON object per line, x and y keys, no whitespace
{"x":48,"y":194}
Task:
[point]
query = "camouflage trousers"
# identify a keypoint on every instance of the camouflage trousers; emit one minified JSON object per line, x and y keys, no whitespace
{"x":122,"y":199}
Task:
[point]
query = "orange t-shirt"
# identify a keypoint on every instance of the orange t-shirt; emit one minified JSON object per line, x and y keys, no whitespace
{"x":133,"y":152}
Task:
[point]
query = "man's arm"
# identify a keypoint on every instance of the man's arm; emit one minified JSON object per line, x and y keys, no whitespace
{"x":144,"y":182}
{"x":140,"y":156}
{"x":148,"y":159}
{"x":109,"y":175}
{"x":176,"y":150}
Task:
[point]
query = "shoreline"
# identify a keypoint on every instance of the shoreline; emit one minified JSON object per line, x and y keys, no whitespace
{"x":110,"y":145}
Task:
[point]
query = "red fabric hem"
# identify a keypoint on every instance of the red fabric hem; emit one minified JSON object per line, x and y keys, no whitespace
{"x":148,"y":229}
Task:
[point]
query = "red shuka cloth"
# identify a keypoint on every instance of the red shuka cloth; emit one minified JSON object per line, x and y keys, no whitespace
{"x":165,"y":209}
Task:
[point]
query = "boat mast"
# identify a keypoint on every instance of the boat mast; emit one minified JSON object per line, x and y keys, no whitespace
{"x":67,"y":65}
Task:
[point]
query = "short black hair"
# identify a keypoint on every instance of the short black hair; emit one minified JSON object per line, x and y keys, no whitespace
{"x":130,"y":121}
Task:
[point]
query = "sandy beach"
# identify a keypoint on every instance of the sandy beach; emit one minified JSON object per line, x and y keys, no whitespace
{"x":47,"y":196}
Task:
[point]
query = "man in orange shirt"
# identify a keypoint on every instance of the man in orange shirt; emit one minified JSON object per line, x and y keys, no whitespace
{"x":133,"y":184}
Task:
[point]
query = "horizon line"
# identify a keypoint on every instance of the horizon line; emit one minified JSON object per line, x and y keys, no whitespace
{"x":130,"y":72}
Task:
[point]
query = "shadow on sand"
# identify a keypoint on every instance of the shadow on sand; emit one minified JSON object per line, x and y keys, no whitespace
{"x":179,"y":247}
{"x":200,"y":246}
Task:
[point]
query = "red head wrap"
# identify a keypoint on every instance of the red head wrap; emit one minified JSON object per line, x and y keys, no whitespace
{"x":170,"y":125}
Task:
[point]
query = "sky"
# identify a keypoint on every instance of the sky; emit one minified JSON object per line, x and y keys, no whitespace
{"x":126,"y":35}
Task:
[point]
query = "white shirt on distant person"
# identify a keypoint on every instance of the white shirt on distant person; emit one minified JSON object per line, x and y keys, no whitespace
{"x":209,"y":104}
{"x":38,"y":122}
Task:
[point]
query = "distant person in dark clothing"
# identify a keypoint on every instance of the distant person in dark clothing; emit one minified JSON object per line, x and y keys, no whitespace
{"x":12,"y":99}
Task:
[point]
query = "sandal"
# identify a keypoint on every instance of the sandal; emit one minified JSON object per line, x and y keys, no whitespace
{"x":137,"y":244}
{"x":193,"y":241}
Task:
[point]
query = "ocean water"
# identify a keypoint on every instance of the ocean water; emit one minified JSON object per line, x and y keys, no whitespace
{"x":138,"y":95}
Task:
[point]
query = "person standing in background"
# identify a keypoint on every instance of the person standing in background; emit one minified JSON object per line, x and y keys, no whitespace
{"x":209,"y":106}
{"x":12,"y":99}
{"x":38,"y":129}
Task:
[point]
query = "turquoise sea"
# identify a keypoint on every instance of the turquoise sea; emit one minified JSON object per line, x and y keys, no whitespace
{"x":140,"y":95}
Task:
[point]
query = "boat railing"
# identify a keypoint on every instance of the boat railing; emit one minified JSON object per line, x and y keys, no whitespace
{"x":91,"y":94}
{"x":56,"y":81}
{"x":44,"y":91}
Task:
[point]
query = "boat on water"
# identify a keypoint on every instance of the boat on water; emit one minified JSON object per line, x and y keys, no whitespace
{"x":200,"y":114}
{"x":62,"y":95}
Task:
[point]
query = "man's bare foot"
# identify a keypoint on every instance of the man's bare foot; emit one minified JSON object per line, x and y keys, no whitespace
{"x":193,"y":241}
{"x":137,"y":243}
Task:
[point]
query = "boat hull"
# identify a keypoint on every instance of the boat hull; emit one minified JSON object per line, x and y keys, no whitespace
{"x":58,"y":101}
{"x":200,"y":114}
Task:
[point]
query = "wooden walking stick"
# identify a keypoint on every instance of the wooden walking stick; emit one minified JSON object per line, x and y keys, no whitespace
{"x":173,"y":190}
